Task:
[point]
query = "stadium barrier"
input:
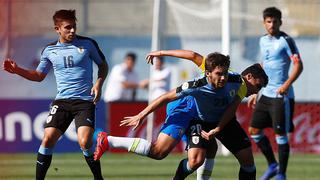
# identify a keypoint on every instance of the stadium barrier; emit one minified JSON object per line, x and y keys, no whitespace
{"x":305,"y":139}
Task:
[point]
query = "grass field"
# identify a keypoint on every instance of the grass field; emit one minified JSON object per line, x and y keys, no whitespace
{"x":133,"y":167}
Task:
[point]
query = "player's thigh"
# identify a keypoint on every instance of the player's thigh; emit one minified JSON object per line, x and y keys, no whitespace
{"x":281,"y":114}
{"x":50,"y":137}
{"x":59,"y":116}
{"x":212,"y":149}
{"x":164,"y":144}
{"x":84,"y":113}
{"x":261,"y":116}
{"x":245,"y":157}
{"x":233,"y":137}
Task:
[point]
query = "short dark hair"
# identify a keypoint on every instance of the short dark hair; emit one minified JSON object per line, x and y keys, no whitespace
{"x":216,"y":59}
{"x":64,"y":14}
{"x":132,"y":55}
{"x":272,"y":12}
{"x":257,"y":72}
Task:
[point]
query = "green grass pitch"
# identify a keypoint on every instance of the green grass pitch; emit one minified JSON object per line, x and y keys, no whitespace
{"x":133,"y":167}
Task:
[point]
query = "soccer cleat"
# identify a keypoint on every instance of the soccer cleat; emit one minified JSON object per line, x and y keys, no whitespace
{"x":280,"y":176}
{"x":102,"y":145}
{"x":270,"y":172}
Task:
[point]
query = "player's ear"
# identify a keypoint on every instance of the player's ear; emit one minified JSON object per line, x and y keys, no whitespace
{"x":207,"y":73}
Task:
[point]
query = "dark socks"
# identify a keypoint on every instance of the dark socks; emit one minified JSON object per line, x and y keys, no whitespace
{"x":95,"y":167}
{"x":43,"y":164}
{"x":266,"y":149}
{"x":182,"y":171}
{"x":247,"y":175}
{"x":284,"y":151}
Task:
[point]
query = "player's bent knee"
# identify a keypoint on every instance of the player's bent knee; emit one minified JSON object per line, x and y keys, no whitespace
{"x":254,"y":131}
{"x":48,"y":142}
{"x":158,"y":154}
{"x":84,"y":143}
{"x":195,"y":163}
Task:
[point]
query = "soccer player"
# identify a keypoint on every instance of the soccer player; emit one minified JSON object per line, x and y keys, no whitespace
{"x":71,"y":58}
{"x":174,"y":128}
{"x":142,"y":147}
{"x":275,"y":106}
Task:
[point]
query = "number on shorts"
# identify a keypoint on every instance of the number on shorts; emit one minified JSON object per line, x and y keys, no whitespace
{"x":54,"y":109}
{"x":195,"y":129}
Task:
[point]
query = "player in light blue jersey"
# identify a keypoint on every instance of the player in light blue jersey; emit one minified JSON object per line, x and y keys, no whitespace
{"x":71,"y":58}
{"x":275,"y":106}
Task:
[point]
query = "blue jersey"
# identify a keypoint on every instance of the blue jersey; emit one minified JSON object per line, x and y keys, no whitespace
{"x":276,"y":52}
{"x":210,"y":102}
{"x":72,"y":65}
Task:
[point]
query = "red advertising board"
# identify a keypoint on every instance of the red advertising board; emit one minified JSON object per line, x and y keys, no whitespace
{"x":305,"y":138}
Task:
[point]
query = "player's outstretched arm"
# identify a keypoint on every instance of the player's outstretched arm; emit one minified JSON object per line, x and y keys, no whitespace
{"x":32,"y":75}
{"x":185,"y":54}
{"x":228,"y":114}
{"x":154,"y":105}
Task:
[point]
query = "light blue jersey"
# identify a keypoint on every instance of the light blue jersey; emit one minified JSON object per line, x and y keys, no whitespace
{"x":276,"y":52}
{"x":211,"y":103}
{"x":72,"y":65}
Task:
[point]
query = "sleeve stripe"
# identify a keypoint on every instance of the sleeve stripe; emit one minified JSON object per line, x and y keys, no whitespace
{"x":290,"y":42}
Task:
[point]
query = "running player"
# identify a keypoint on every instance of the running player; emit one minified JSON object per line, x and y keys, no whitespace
{"x":71,"y":58}
{"x":276,"y":104}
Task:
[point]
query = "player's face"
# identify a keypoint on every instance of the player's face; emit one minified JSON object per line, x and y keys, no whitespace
{"x":218,"y":77}
{"x":66,"y":30}
{"x":272,"y":25}
{"x":254,"y":85}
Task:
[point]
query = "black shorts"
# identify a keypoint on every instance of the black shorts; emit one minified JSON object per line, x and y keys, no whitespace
{"x":232,"y":136}
{"x":64,"y":111}
{"x":274,"y":112}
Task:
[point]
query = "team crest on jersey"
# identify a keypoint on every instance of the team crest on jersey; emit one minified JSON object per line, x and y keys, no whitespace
{"x":49,"y":118}
{"x":232,"y":93}
{"x":185,"y":86}
{"x":195,"y":139}
{"x":80,"y":49}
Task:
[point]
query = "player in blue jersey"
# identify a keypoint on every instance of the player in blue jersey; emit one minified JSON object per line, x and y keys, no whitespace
{"x":142,"y":147}
{"x":71,"y":58}
{"x":275,"y":106}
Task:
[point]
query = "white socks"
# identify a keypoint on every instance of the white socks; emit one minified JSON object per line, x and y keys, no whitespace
{"x":135,"y":145}
{"x":205,"y":170}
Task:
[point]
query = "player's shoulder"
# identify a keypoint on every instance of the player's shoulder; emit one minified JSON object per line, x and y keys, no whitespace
{"x":87,"y":39}
{"x":193,"y":84}
{"x":289,"y":41}
{"x":234,"y":77}
{"x":49,"y":47}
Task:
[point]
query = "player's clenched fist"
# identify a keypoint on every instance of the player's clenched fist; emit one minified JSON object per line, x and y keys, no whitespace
{"x":10,"y":66}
